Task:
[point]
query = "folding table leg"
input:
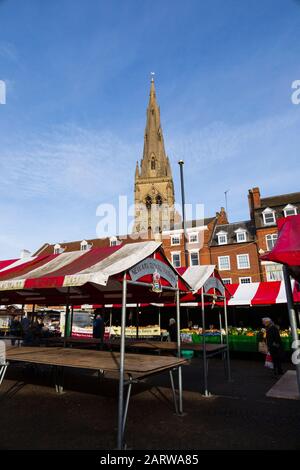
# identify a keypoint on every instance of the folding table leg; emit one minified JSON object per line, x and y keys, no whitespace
{"x":126,"y":408}
{"x":173,"y":391}
{"x":180,"y":390}
{"x":3,"y":368}
{"x":58,"y":378}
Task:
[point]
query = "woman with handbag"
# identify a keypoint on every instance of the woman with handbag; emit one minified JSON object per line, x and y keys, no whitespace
{"x":274,"y":344}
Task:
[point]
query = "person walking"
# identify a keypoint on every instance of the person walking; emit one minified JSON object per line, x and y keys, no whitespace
{"x":274,"y":344}
{"x":172,"y":330}
{"x":15,"y":329}
{"x":98,"y":328}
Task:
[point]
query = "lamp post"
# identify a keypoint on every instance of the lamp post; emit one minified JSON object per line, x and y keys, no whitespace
{"x":186,"y":258}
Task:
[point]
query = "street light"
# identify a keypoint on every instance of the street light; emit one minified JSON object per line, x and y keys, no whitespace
{"x":186,"y":258}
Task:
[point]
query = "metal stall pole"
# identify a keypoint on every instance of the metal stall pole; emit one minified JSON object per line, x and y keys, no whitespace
{"x":221,"y":327}
{"x":72,"y":319}
{"x":206,"y":392}
{"x":137,"y":321}
{"x":180,"y":407}
{"x":122,"y":361}
{"x":110,"y":322}
{"x":227,"y":340}
{"x":67,"y":317}
{"x":293,"y":321}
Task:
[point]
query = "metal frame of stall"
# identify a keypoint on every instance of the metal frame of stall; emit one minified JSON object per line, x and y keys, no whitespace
{"x":122,"y":409}
{"x":216,"y":284}
{"x":123,"y":402}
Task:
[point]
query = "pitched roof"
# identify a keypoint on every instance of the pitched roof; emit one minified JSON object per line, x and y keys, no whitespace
{"x":281,"y":200}
{"x":230,"y":230}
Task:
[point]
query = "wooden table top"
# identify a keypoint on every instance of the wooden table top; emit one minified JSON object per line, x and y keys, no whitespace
{"x":136,"y":365}
{"x":172,"y":346}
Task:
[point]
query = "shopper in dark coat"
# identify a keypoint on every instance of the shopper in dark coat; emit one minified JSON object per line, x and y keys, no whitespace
{"x":172,"y":330}
{"x":274,"y":344}
{"x":98,"y":327}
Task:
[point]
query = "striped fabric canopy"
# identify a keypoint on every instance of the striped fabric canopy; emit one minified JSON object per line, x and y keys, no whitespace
{"x":255,"y":293}
{"x":91,"y":275}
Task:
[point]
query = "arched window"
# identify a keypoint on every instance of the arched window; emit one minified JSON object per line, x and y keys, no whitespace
{"x":148,"y":202}
{"x":159,"y":200}
{"x":152,"y":163}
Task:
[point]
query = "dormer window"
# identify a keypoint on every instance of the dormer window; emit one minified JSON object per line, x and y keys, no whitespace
{"x":289,"y":210}
{"x":222,"y":238}
{"x":85,"y":246}
{"x":153,"y":163}
{"x":241,"y":235}
{"x":269,"y":216}
{"x":113,"y":241}
{"x":193,"y":238}
{"x":58,"y":249}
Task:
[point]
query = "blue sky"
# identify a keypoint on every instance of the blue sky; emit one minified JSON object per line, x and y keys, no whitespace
{"x":77,"y":75}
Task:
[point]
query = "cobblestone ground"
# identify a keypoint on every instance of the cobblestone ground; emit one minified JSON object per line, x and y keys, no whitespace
{"x":238,"y":415}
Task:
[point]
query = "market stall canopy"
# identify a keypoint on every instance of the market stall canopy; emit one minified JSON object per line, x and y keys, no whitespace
{"x":196,"y":277}
{"x":261,"y":293}
{"x":89,"y":276}
{"x":287,"y":247}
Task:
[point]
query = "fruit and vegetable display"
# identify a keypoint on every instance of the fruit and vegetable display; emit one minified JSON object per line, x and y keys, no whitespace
{"x":239,"y":338}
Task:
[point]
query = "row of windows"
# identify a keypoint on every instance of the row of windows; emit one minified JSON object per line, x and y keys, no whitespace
{"x":241,"y":236}
{"x":175,"y":239}
{"x":273,"y":273}
{"x":176,"y":259}
{"x":242,"y":280}
{"x":84,"y":246}
{"x":269,"y":216}
{"x":243,"y":262}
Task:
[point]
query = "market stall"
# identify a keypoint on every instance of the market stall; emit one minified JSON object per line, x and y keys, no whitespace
{"x":287,"y":252}
{"x":135,"y":272}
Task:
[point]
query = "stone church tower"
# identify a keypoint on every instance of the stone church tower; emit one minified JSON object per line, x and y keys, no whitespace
{"x":154,"y":188}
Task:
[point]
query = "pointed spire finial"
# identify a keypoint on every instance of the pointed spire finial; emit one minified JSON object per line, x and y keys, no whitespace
{"x":152,"y":76}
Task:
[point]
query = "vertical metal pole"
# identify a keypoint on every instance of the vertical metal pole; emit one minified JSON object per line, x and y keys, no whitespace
{"x":186,"y":257}
{"x":221,"y":327}
{"x":122,"y":364}
{"x":292,"y":316}
{"x":137,"y":321}
{"x":32,"y":314}
{"x":67,"y":317}
{"x":227,"y":340}
{"x":110,"y":322}
{"x":72,"y":318}
{"x":179,"y":348}
{"x":206,"y":393}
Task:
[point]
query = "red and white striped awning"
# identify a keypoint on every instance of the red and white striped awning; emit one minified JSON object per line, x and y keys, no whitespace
{"x":89,"y":276}
{"x":255,"y":293}
{"x":261,"y":293}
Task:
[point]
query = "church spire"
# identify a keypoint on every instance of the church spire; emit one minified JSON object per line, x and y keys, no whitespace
{"x":154,"y":162}
{"x":153,"y":187}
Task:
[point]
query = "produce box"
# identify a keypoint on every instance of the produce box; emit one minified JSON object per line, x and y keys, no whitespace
{"x":243,"y":343}
{"x":187,"y":354}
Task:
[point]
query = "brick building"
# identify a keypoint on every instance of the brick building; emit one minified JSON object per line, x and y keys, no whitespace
{"x":233,"y":250}
{"x":264,"y":213}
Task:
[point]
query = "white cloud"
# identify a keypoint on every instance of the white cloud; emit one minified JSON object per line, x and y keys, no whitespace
{"x":69,"y":160}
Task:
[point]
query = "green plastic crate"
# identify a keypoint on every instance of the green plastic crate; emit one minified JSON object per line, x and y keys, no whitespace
{"x":187,"y":354}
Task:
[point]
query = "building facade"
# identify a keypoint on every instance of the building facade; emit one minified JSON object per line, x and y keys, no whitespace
{"x":264,"y":213}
